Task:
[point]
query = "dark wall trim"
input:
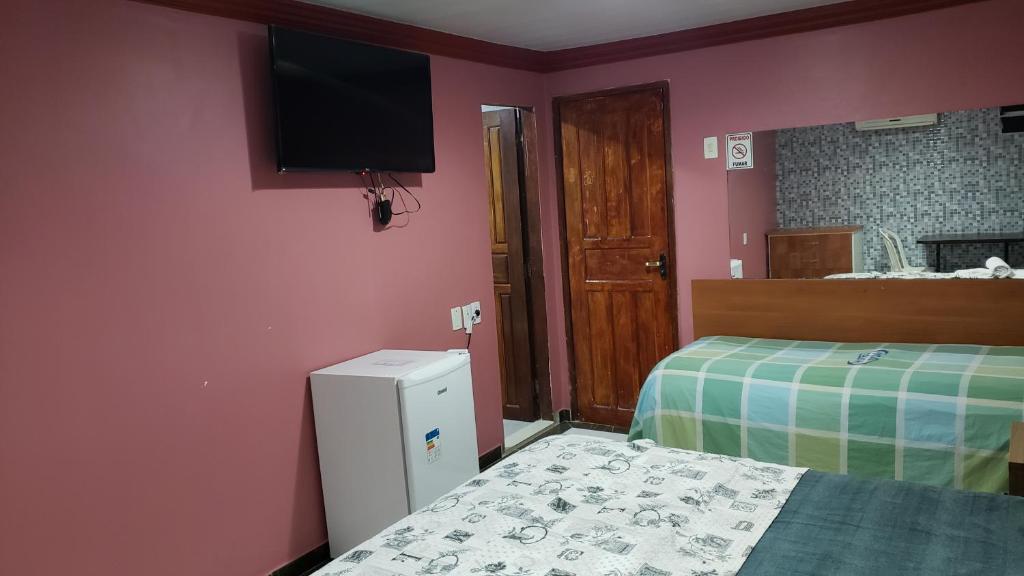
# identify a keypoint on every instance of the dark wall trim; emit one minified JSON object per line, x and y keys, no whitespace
{"x":595,"y":427}
{"x":487,"y":459}
{"x":314,"y":18}
{"x":807,"y":20}
{"x":306,"y":563}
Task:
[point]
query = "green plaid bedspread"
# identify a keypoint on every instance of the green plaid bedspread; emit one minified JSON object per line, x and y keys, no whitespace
{"x":938,"y":414}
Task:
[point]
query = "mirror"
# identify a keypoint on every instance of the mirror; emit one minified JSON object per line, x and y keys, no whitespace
{"x":948,"y":190}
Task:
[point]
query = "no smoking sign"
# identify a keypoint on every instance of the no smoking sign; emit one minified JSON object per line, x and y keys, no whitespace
{"x":739,"y":151}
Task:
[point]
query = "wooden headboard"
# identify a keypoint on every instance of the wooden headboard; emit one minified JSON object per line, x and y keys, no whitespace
{"x":927,"y":311}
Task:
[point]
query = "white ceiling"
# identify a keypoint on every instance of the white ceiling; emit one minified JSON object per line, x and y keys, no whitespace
{"x":556,"y":24}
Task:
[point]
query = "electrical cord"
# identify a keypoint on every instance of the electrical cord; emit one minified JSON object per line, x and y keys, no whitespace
{"x":469,"y":332}
{"x":371,"y":189}
{"x":377,"y":191}
{"x":401,"y":196}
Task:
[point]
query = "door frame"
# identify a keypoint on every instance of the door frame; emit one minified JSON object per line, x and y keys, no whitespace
{"x":529,"y":193}
{"x":563,"y":245}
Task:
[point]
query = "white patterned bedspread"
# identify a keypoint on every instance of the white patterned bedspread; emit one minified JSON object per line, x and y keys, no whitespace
{"x":576,"y":505}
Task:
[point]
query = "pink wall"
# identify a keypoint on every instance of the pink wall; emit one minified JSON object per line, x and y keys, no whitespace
{"x":165,"y":293}
{"x":751,"y":200}
{"x":951,"y":59}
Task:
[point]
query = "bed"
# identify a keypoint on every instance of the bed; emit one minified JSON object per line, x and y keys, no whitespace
{"x":969,"y":274}
{"x":579,"y":506}
{"x":575,"y":506}
{"x":933,"y":413}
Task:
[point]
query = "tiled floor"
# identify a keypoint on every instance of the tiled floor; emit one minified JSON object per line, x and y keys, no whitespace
{"x":597,"y":433}
{"x":513,"y":426}
{"x":516,"y":431}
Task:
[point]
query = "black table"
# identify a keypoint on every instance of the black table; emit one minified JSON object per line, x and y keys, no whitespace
{"x":1004,"y":238}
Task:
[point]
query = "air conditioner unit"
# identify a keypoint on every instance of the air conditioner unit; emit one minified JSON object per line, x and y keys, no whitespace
{"x":901,"y":122}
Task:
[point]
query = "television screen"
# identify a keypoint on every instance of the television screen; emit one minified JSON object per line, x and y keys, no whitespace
{"x":344,"y":105}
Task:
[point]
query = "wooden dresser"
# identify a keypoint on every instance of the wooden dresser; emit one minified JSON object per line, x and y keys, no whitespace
{"x":815,"y":252}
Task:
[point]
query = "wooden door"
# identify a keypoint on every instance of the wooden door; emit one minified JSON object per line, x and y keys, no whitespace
{"x":502,"y":156}
{"x":615,"y":185}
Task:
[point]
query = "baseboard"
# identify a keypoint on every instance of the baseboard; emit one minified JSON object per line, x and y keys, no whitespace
{"x":306,"y":563}
{"x":564,"y":416}
{"x":487,"y":459}
{"x":598,"y":427}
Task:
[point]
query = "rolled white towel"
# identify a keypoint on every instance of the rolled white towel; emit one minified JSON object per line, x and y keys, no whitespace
{"x":973,"y":273}
{"x":999,"y":267}
{"x":853,"y":276}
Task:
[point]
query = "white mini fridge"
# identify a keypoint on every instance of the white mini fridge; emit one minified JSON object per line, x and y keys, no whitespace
{"x":395,"y":430}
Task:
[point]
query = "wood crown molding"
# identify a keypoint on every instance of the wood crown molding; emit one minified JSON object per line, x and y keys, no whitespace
{"x":806,"y":20}
{"x":316,"y":18}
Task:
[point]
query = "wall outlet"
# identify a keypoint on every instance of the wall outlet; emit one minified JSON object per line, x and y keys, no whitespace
{"x":470,"y":314}
{"x":457,"y":318}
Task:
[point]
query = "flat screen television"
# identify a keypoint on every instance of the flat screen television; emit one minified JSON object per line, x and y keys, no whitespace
{"x":344,"y":105}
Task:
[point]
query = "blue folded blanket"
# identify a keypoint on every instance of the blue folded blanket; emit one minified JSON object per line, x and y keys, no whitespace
{"x":842,"y":526}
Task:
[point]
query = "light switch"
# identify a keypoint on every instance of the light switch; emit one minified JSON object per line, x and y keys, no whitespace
{"x":744,"y":238}
{"x":457,"y":318}
{"x":711,"y":147}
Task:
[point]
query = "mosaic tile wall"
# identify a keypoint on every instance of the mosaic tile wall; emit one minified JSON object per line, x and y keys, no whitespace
{"x":962,"y":175}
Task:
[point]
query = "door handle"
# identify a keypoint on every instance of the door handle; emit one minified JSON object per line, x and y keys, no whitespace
{"x":661,"y":264}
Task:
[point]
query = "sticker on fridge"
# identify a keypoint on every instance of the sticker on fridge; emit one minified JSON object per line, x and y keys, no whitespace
{"x":433,"y":439}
